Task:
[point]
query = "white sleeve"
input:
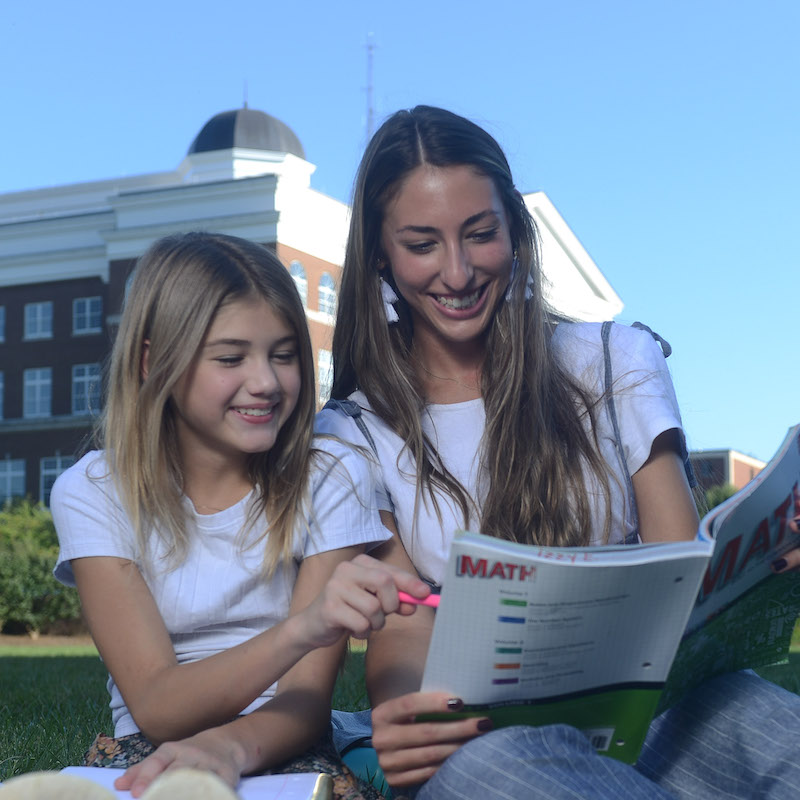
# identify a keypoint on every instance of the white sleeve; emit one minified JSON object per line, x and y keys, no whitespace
{"x":337,"y":423}
{"x":644,"y":396}
{"x":343,"y":507}
{"x":88,"y":516}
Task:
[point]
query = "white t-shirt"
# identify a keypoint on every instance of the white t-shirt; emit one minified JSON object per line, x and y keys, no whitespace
{"x":217,"y":597}
{"x":645,"y":405}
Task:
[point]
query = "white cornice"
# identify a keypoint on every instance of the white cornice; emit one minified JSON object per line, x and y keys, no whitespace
{"x":56,"y":265}
{"x":75,"y":198}
{"x":575,"y":286}
{"x":133,"y":241}
{"x":241,"y":162}
{"x":195,"y":203}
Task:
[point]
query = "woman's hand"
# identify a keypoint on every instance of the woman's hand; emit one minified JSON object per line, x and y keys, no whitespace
{"x":212,"y":750}
{"x":791,"y":560}
{"x":410,"y":752}
{"x":356,"y":600}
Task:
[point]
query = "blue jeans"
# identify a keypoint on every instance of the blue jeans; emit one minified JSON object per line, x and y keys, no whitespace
{"x":737,"y":736}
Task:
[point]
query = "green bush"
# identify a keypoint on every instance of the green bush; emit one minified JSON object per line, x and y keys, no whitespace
{"x":718,"y":494}
{"x":31,"y":599}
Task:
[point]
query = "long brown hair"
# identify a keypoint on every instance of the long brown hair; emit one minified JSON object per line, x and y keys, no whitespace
{"x":535,"y":448}
{"x":178,"y":287}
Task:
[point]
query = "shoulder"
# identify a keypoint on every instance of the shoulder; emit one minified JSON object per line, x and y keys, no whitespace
{"x":335,"y":456}
{"x":343,"y":505}
{"x":87,"y":478}
{"x":353,"y":420}
{"x":88,"y":515}
{"x":579,"y":349}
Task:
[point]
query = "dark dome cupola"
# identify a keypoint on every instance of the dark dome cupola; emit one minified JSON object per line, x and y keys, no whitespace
{"x":246,"y":128}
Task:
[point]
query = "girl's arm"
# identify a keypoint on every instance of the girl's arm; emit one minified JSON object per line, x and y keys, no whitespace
{"x":171,"y":701}
{"x":663,"y":498}
{"x":299,"y":713}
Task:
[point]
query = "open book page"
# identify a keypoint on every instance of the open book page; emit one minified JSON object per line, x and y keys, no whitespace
{"x":299,"y":786}
{"x":550,"y":634}
{"x":745,"y":614}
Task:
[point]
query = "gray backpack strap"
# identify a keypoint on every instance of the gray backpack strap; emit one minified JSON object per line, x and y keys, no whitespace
{"x":666,"y":347}
{"x":633,"y":537}
{"x":353,"y":410}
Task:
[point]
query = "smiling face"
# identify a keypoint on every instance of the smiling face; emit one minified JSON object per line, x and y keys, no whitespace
{"x":241,"y":387}
{"x":445,"y":235}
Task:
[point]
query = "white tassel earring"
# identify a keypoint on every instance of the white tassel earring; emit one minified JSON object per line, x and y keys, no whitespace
{"x":389,"y":299}
{"x":528,"y":280}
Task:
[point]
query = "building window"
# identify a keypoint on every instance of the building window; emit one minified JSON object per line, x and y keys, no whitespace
{"x":300,"y":281}
{"x":39,"y":320}
{"x":12,"y":479}
{"x":49,"y":469}
{"x":324,"y":375}
{"x":87,"y":315}
{"x":2,"y":394}
{"x":2,"y":323}
{"x":85,"y":388}
{"x":37,"y":392}
{"x":327,"y":294}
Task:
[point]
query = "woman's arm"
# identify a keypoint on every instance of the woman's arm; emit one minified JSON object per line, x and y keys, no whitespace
{"x":663,"y":498}
{"x":396,"y":654}
{"x":171,"y":701}
{"x":409,"y":752}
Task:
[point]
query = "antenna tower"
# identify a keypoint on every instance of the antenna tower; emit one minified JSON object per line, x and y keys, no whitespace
{"x":370,"y":109}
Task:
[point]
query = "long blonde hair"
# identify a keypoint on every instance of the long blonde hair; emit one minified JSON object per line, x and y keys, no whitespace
{"x":535,"y":448}
{"x":178,"y":287}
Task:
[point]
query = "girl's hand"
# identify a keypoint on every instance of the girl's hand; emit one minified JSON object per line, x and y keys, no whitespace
{"x":356,"y":600}
{"x":410,"y":752}
{"x":210,"y":750}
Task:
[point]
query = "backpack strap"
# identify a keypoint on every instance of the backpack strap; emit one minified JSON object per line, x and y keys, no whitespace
{"x":353,"y":410}
{"x":608,"y":394}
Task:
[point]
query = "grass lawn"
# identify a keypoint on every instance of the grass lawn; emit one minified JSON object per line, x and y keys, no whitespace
{"x":53,"y":701}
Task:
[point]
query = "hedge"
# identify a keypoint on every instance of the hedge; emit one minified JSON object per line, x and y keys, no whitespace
{"x":31,"y":600}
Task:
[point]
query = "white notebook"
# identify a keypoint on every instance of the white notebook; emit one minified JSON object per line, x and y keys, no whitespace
{"x":298,"y":786}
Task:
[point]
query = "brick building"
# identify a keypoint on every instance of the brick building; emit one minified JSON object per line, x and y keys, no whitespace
{"x":719,"y":467}
{"x":66,"y":253}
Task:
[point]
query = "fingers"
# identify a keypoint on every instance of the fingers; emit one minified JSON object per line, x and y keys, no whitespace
{"x":787,"y":562}
{"x":390,"y":578}
{"x":363,"y":591}
{"x":138,"y":777}
{"x":411,"y":751}
{"x":171,"y":756}
{"x":791,"y":560}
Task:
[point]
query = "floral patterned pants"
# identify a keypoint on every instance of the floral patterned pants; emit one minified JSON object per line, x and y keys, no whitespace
{"x":129,"y":750}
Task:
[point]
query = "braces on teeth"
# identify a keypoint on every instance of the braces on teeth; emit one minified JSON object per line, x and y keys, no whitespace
{"x":254,"y":412}
{"x":459,"y":302}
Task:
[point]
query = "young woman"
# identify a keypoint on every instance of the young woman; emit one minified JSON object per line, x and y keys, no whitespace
{"x":486,"y":410}
{"x":210,"y":542}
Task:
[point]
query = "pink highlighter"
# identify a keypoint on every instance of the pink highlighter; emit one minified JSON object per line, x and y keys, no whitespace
{"x":431,"y":600}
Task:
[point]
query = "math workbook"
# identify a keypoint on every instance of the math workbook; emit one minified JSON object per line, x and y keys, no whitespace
{"x":588,"y":636}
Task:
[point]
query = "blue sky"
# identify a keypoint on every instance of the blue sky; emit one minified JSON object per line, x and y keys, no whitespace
{"x":666,"y":134}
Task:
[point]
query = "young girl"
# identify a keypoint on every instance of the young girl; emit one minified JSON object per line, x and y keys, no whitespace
{"x":210,"y":542}
{"x":487,"y":410}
